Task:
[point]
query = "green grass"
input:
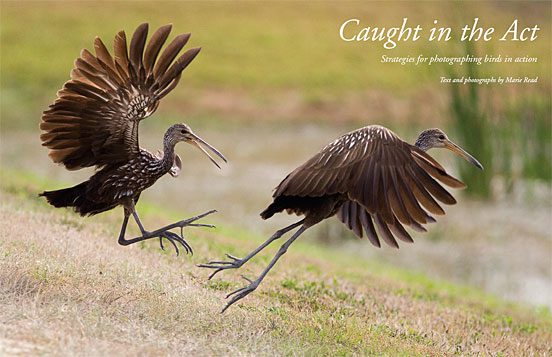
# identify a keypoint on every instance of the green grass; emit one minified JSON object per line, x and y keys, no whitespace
{"x":317,"y":301}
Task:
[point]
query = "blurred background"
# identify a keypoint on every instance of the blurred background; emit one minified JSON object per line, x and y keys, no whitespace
{"x":274,"y":83}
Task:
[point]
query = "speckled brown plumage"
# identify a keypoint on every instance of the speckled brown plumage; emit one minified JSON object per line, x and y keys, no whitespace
{"x":94,"y":122}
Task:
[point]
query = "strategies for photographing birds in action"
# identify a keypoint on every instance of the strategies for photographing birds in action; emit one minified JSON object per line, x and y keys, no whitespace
{"x":94,"y":122}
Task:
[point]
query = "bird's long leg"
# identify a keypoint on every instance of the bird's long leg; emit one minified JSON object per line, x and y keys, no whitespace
{"x":179,"y":224}
{"x":123,"y":228}
{"x":243,"y":292}
{"x":138,"y":222}
{"x":235,"y":263}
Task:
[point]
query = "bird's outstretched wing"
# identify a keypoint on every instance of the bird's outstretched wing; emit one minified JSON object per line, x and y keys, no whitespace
{"x":94,"y":120}
{"x":388,"y":182}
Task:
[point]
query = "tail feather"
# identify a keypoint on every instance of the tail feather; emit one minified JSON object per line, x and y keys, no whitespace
{"x":292,"y":204}
{"x":66,"y":197}
{"x":76,"y":198}
{"x":270,"y":211}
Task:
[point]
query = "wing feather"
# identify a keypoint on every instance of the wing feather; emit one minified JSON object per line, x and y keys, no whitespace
{"x":389,"y":183}
{"x":94,"y":120}
{"x":396,"y":203}
{"x":137,"y":44}
{"x":122,"y":63}
{"x":154,"y":47}
{"x":181,"y":63}
{"x":433,"y":187}
{"x":355,"y":224}
{"x":384,"y":232}
{"x":369,"y":228}
{"x":398,"y":231}
{"x":169,"y":54}
{"x":411,"y":204}
{"x":102,"y":54}
{"x":437,"y":171}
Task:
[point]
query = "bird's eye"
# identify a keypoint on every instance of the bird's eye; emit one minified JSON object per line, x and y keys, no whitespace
{"x":182,"y":131}
{"x":441,"y":137}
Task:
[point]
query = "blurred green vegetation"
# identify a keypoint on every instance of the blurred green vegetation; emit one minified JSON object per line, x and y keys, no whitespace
{"x":247,"y":47}
{"x":471,"y":124}
{"x":512,"y":140}
{"x":292,"y":50}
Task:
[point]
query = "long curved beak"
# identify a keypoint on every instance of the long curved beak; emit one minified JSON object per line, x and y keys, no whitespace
{"x":196,"y":141}
{"x":462,"y":153}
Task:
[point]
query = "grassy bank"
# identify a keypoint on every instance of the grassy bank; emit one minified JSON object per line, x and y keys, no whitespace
{"x":67,"y":287}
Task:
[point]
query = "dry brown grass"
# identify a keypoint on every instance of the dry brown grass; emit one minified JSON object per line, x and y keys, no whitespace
{"x":67,"y":288}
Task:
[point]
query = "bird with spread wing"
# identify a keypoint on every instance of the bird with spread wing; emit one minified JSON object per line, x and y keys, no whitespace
{"x":94,"y":122}
{"x":369,"y":178}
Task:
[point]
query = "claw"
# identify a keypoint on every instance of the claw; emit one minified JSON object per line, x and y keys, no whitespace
{"x":189,"y":249}
{"x":167,"y":235}
{"x":232,"y":257}
{"x":185,"y":244}
{"x":173,"y":238}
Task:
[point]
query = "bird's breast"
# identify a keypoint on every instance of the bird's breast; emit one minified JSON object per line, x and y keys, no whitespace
{"x":128,"y":180}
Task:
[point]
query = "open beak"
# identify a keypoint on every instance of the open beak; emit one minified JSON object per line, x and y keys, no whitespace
{"x":462,"y":153}
{"x":196,"y":141}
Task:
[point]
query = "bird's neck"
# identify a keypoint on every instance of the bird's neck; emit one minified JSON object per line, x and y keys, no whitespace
{"x":168,"y":154}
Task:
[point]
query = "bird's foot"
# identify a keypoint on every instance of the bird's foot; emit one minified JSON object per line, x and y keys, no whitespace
{"x":219,"y":265}
{"x":241,"y":293}
{"x":174,"y":238}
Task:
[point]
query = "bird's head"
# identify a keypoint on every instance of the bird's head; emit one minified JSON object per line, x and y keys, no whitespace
{"x":436,"y":138}
{"x":182,"y":132}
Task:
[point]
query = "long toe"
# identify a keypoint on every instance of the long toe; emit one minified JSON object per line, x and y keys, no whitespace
{"x":201,"y":225}
{"x":222,"y":265}
{"x":239,"y":294}
{"x":218,"y":268}
{"x":214,"y":273}
{"x":209,"y":265}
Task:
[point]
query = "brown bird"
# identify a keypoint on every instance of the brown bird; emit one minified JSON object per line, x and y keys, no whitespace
{"x":94,"y":122}
{"x":368,"y":177}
